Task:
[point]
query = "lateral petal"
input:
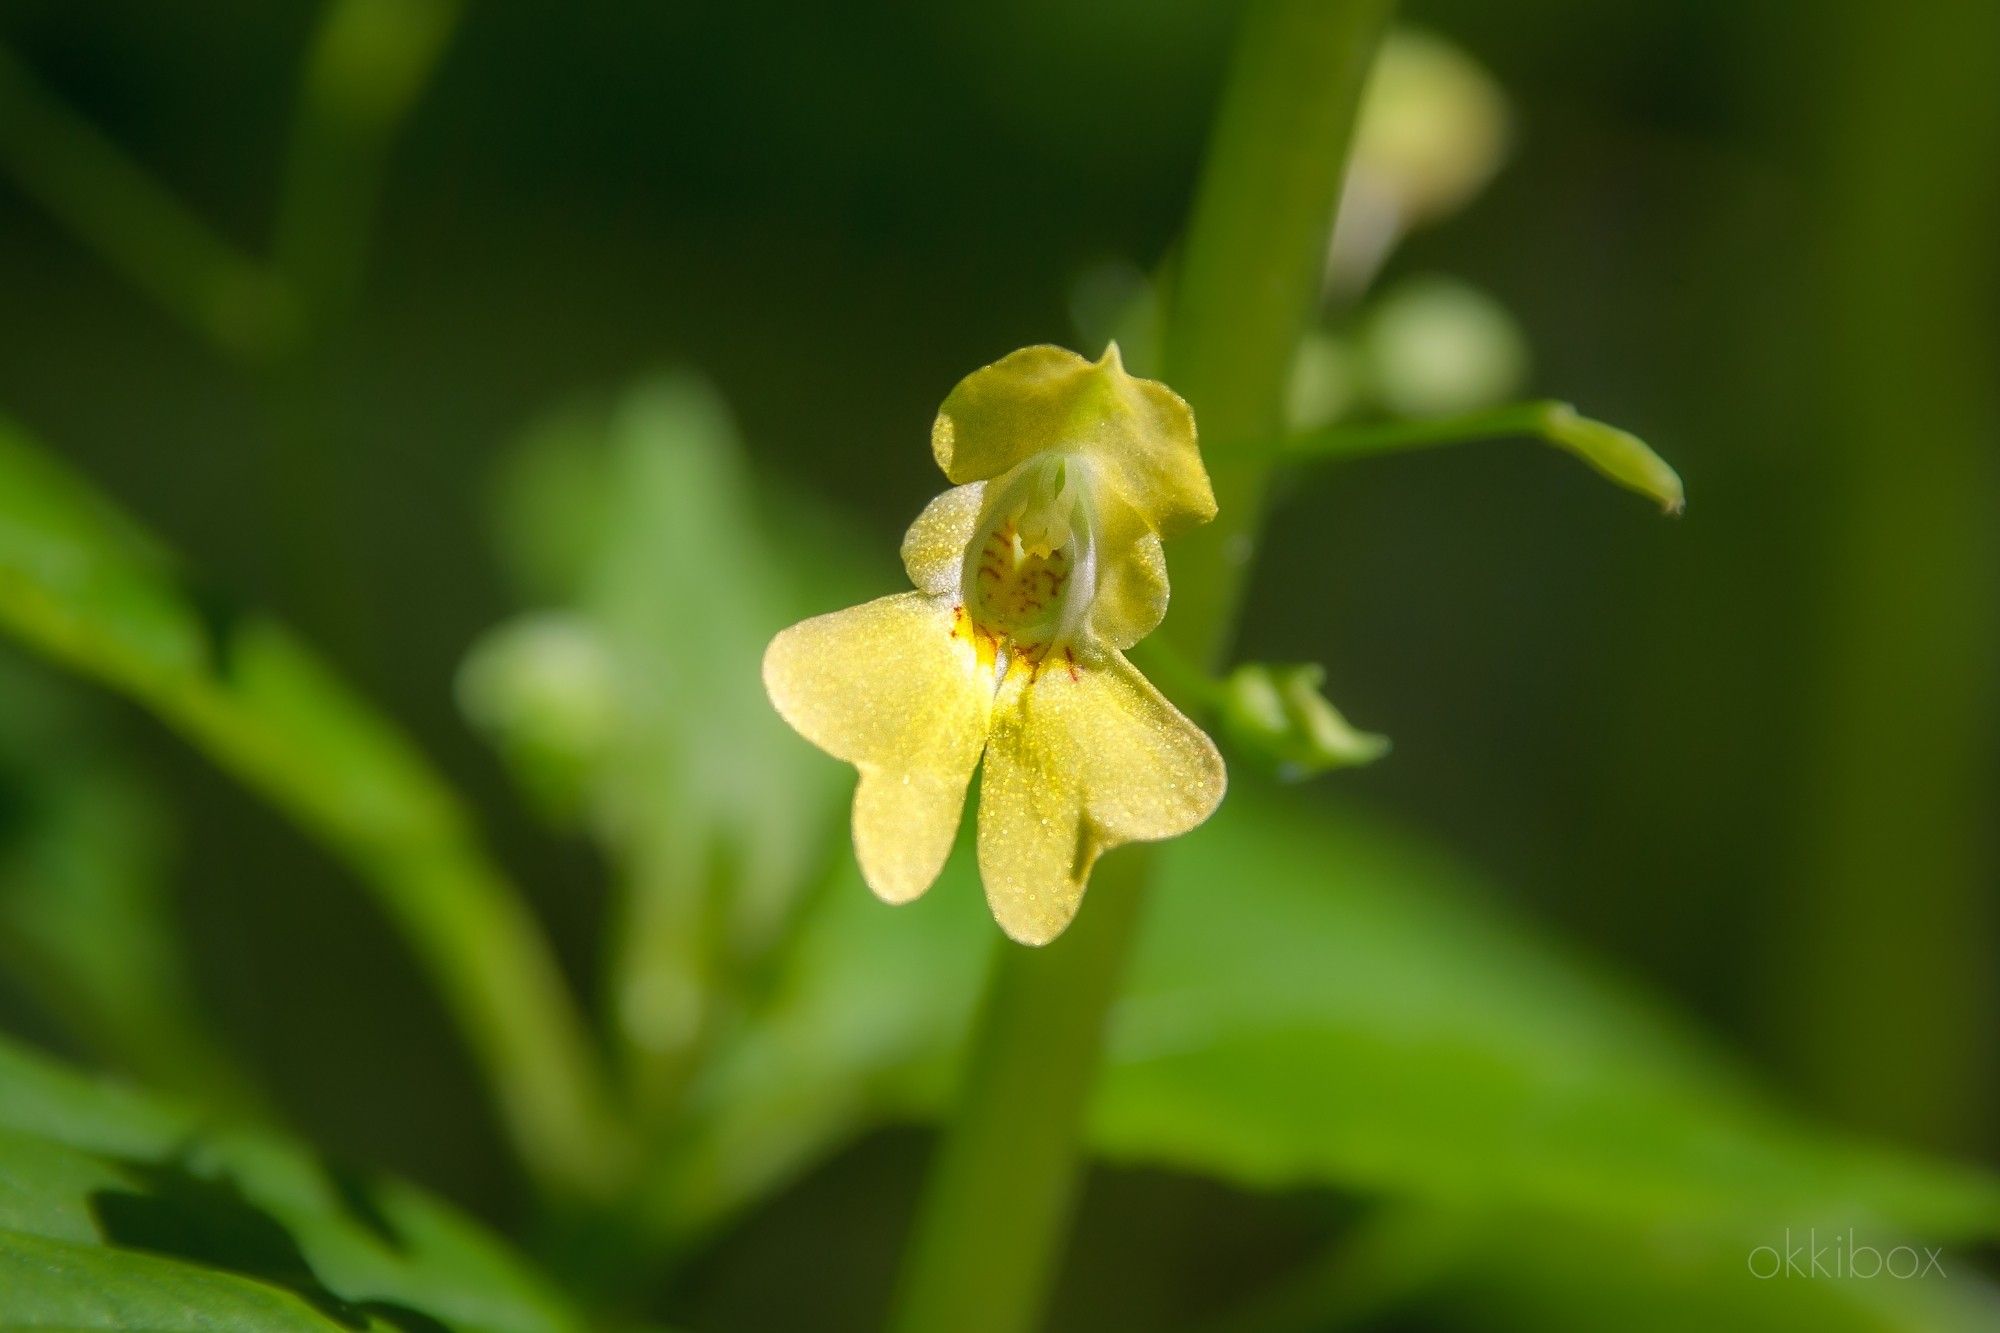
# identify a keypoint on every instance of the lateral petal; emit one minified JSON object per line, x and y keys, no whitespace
{"x":887,"y":687}
{"x":1132,"y":576}
{"x":1080,"y":762}
{"x":934,"y":547}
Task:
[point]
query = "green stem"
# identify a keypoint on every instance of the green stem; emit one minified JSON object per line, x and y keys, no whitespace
{"x":368,"y":61}
{"x":997,"y":1203}
{"x":996,"y":1208}
{"x":1619,"y":455}
{"x":664,"y":991}
{"x":364,"y":68}
{"x":1255,"y":253}
{"x":1888,"y":998}
{"x":86,"y":182}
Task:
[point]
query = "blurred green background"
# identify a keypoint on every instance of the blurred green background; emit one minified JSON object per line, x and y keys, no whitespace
{"x":1748,"y":757}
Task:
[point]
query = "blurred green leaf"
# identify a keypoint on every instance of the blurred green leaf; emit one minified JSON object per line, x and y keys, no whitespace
{"x":549,"y":500}
{"x":1321,"y":1001}
{"x":83,"y":585}
{"x":707,"y":782}
{"x":1542,"y":1274}
{"x":541,"y":687}
{"x":1356,"y":1011}
{"x":119,"y":1211}
{"x":86,"y":921}
{"x":645,"y":526}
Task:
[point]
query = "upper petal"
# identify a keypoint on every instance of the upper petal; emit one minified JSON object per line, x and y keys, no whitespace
{"x":1137,"y":432}
{"x":887,"y":687}
{"x":934,"y":547}
{"x":1079,"y":763}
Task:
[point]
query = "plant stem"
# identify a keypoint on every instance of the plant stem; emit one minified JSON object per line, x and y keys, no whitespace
{"x":368,"y":62}
{"x":1255,"y":255}
{"x":997,"y":1203}
{"x":1888,"y":995}
{"x":1619,"y":455}
{"x":363,"y":69}
{"x":996,"y":1208}
{"x":86,"y":182}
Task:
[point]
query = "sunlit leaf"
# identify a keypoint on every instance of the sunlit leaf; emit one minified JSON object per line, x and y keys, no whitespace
{"x":864,"y":1024}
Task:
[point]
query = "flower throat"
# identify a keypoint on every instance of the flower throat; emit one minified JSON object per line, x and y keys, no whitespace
{"x":1030,"y":570}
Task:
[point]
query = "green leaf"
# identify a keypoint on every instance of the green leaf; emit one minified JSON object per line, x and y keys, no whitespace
{"x":688,"y":595}
{"x":1356,"y":1011}
{"x":1546,"y":1272}
{"x":640,"y":701}
{"x":120,"y":1211}
{"x":1352,"y":1012}
{"x":82,"y":585}
{"x":549,"y":499}
{"x":86,"y":923}
{"x":543,"y":689}
{"x":1551,"y":1275}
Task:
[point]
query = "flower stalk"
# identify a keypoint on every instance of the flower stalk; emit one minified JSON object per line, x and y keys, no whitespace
{"x":995,"y":1210}
{"x":1615,"y":454}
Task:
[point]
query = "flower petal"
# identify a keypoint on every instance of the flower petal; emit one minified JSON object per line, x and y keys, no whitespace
{"x":1079,"y":763}
{"x":1131,"y":576}
{"x":886,"y":687}
{"x":1137,"y":432}
{"x":934,"y":547}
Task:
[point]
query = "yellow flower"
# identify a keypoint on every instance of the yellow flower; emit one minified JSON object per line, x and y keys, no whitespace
{"x":1032,"y":573}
